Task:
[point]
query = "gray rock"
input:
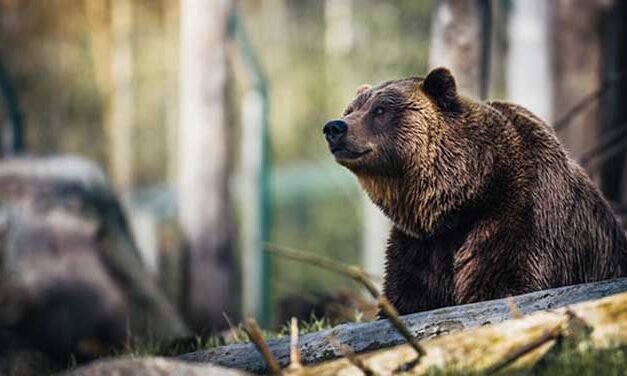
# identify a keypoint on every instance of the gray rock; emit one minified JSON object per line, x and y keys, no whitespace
{"x":71,"y":278}
{"x":151,"y":367}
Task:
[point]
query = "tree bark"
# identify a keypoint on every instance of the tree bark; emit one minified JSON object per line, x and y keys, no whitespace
{"x":204,"y":145}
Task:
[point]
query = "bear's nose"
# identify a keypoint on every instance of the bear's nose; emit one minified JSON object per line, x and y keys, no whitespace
{"x":334,"y":130}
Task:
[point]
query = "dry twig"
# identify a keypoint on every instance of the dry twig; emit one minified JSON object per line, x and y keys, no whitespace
{"x":349,"y":354}
{"x":358,"y":275}
{"x":391,"y":314}
{"x":511,"y":357}
{"x":552,"y":334}
{"x":584,"y":102}
{"x":232,"y":328}
{"x":352,"y":272}
{"x":256,"y":336}
{"x":513,"y":308}
{"x":294,"y":350}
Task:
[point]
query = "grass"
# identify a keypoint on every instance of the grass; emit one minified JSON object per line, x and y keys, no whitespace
{"x":572,"y":362}
{"x":567,"y":361}
{"x":140,"y":347}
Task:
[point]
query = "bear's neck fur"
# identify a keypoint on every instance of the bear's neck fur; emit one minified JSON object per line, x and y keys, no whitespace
{"x":420,"y":205}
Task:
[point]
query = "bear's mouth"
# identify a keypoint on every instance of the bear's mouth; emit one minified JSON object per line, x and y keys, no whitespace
{"x":348,"y":154}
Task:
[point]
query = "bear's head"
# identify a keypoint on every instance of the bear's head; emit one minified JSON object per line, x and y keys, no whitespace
{"x":417,"y":148}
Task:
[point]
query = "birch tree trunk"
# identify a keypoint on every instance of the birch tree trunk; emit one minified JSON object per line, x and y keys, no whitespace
{"x":204,"y":202}
{"x":459,"y":41}
{"x":528,"y":73}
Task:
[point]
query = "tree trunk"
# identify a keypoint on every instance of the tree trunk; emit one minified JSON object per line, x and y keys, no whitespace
{"x":204,"y":202}
{"x":122,"y":104}
{"x":460,"y":41}
{"x":614,"y":115}
{"x":110,"y":30}
{"x":576,"y":69}
{"x":528,"y":77}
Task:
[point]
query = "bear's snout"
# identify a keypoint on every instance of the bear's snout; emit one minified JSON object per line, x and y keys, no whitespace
{"x":334,"y":131}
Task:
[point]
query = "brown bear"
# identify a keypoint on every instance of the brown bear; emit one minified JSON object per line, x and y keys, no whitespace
{"x":485,"y":201}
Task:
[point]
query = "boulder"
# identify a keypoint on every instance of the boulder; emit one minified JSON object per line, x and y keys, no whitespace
{"x":71,"y":278}
{"x":151,"y":367}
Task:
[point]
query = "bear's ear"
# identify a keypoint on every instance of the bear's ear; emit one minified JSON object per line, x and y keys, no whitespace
{"x":440,"y":85}
{"x":362,"y":89}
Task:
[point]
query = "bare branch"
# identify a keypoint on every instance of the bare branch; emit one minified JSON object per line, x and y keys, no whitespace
{"x":232,"y":328}
{"x":256,"y":336}
{"x":586,"y":101}
{"x":513,"y":308}
{"x":294,"y":350}
{"x":310,"y":258}
{"x":360,"y":276}
{"x":392,"y":314}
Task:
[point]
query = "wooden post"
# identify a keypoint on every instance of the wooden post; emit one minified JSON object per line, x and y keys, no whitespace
{"x":204,"y":162}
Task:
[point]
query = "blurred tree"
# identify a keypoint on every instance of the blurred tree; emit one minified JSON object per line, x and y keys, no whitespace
{"x":529,"y":55}
{"x":10,"y":117}
{"x":614,"y":115}
{"x":110,"y":26}
{"x":205,"y":161}
{"x":460,"y":41}
{"x":120,"y":117}
{"x":576,"y":46}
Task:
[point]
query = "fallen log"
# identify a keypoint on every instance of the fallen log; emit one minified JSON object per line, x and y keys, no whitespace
{"x":511,"y":345}
{"x":363,"y":337}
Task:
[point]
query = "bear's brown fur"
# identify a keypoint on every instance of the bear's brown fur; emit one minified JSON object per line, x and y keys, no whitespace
{"x":485,"y":201}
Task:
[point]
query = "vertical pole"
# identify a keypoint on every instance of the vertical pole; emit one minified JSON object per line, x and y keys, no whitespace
{"x":252,"y":211}
{"x":257,"y":294}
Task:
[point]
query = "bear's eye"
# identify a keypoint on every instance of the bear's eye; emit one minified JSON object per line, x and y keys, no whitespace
{"x":379,"y":111}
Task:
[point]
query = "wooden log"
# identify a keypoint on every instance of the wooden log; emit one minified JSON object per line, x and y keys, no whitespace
{"x":512,"y":345}
{"x":380,"y":334}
